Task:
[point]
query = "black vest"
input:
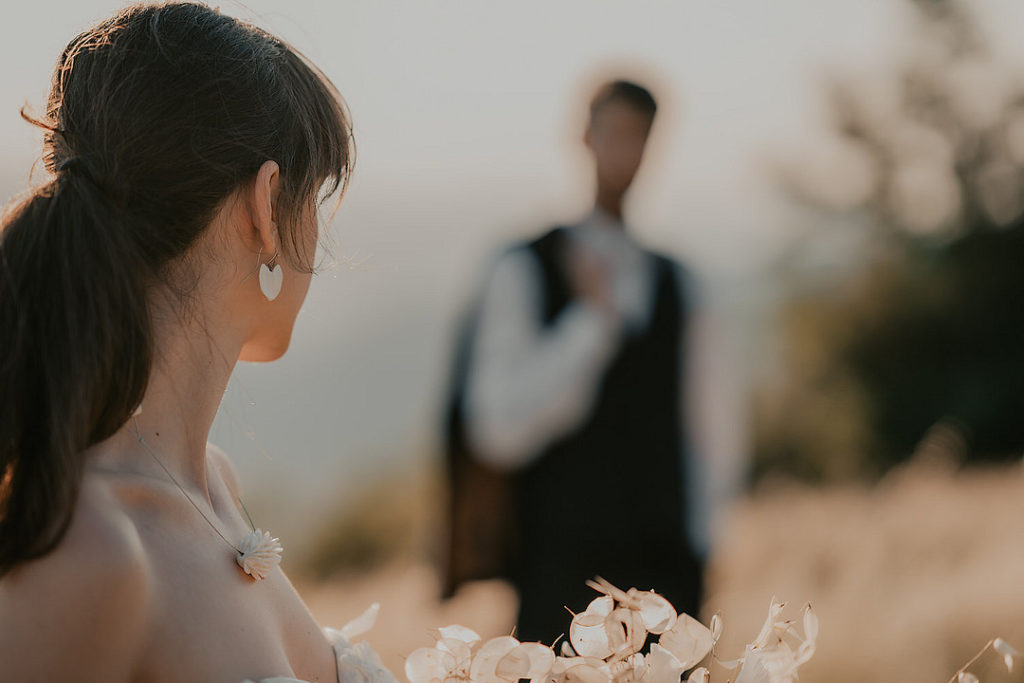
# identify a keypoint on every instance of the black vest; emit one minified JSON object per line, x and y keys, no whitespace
{"x":618,"y":478}
{"x":607,"y":499}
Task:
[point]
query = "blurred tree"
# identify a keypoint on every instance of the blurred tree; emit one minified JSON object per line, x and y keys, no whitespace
{"x":931,"y":159}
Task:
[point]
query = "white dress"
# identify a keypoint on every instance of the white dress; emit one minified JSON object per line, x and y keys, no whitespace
{"x":357,"y":663}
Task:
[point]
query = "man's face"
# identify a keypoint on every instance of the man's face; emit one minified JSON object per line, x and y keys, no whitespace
{"x":616,"y":136}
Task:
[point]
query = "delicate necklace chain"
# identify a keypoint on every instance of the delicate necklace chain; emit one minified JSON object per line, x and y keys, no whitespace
{"x":138,"y":435}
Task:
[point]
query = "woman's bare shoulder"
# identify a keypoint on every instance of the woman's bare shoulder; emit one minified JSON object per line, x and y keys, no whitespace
{"x":220,"y":460}
{"x":78,"y":613}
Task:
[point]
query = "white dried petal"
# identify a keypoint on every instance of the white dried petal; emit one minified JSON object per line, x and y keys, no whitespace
{"x":770,"y":624}
{"x":701,"y":675}
{"x":585,"y":673}
{"x":716,"y":626}
{"x":689,"y":640}
{"x":1007,"y":651}
{"x":729,"y":664}
{"x":482,"y":670}
{"x":258,"y":554}
{"x":771,"y":665}
{"x":466,"y":635}
{"x":527,"y":660}
{"x":966,"y":677}
{"x":754,"y":669}
{"x":781,"y":627}
{"x":638,"y":666}
{"x":625,"y":629}
{"x":588,"y":636}
{"x":626,"y":670}
{"x":810,"y":624}
{"x":361,"y":624}
{"x":361,"y":664}
{"x":766,"y":666}
{"x":804,"y":653}
{"x":657,"y":613}
{"x":602,"y":605}
{"x":662,"y":666}
{"x":562,"y":665}
{"x":428,"y":664}
{"x":458,"y":648}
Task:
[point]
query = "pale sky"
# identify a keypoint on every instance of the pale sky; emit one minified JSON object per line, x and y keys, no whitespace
{"x":467,"y":119}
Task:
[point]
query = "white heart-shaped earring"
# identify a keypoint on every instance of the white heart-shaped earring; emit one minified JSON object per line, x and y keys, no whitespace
{"x":271,"y":278}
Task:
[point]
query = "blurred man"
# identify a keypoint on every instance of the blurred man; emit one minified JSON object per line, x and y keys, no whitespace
{"x":568,"y":431}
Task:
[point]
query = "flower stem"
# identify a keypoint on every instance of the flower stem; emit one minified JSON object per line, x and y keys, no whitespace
{"x":972,"y":661}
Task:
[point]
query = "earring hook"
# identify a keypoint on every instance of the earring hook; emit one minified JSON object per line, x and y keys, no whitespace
{"x":272,"y":263}
{"x":256,"y":269}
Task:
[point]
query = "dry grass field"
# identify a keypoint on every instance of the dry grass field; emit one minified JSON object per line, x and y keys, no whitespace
{"x":910,"y":578}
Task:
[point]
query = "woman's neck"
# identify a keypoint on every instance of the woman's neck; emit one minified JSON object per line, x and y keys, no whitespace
{"x":192,"y":364}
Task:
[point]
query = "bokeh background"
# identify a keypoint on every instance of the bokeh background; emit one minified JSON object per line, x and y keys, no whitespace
{"x":845,"y":178}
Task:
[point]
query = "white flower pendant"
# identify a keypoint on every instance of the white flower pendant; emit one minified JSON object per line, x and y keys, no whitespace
{"x":258,"y":553}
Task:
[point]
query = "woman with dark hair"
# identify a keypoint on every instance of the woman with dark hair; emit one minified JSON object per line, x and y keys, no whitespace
{"x":189,"y":152}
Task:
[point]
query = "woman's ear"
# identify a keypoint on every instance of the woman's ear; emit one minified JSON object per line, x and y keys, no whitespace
{"x":263,"y":207}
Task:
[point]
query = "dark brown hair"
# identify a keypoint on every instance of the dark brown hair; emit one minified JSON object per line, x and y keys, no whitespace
{"x":629,"y":92}
{"x":155,"y":117}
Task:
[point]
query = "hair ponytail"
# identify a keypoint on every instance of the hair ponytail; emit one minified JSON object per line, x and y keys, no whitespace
{"x":75,"y":351}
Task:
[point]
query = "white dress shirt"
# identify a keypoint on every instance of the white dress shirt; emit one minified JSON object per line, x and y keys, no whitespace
{"x":530,"y":385}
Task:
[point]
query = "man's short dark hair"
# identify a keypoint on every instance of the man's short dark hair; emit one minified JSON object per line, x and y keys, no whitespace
{"x":631,"y":93}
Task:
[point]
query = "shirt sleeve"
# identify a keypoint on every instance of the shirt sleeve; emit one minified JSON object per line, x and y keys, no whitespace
{"x":529,"y":384}
{"x":714,"y":416}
